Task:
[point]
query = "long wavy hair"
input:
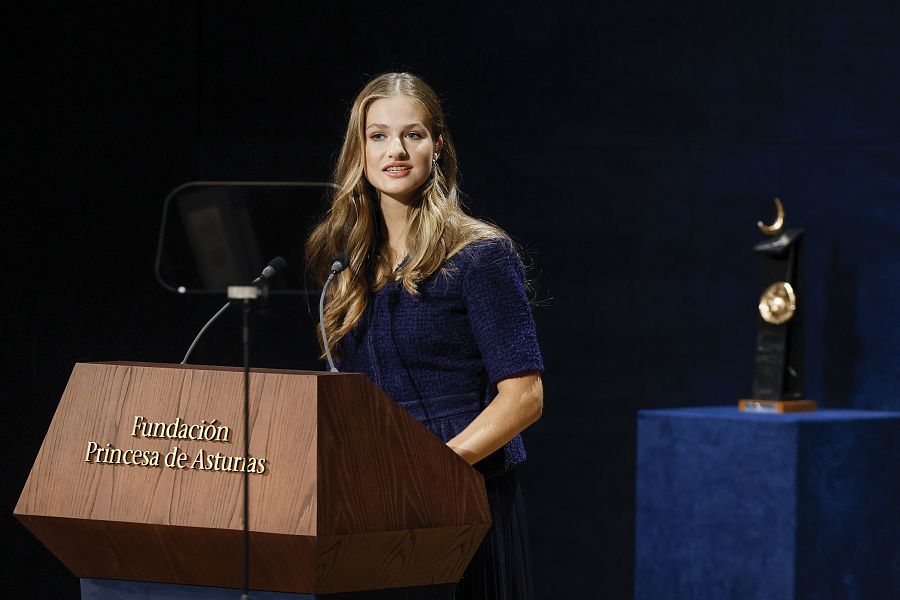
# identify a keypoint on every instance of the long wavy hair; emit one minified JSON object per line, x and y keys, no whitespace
{"x":438,"y":227}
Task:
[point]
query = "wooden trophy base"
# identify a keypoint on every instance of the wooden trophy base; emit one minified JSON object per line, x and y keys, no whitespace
{"x":776,"y":406}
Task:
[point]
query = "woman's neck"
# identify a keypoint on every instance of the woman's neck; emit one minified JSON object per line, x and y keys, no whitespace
{"x":396,"y":220}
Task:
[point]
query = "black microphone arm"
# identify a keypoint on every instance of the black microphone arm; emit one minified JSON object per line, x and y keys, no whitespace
{"x":340,"y":263}
{"x":275,"y":266}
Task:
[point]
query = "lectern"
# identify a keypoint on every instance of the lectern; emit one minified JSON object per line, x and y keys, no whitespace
{"x":139,"y":478}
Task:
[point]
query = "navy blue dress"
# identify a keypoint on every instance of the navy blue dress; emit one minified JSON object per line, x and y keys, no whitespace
{"x":440,"y":355}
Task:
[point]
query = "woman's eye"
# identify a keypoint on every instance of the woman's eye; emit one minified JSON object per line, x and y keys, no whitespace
{"x":377,"y":137}
{"x":415,"y":135}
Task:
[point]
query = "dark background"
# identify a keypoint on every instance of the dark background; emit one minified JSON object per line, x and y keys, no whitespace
{"x":630,"y":148}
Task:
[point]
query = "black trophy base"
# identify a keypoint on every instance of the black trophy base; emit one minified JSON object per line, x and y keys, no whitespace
{"x":115,"y":589}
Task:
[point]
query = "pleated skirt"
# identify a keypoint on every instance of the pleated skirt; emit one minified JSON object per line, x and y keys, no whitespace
{"x":501,"y":567}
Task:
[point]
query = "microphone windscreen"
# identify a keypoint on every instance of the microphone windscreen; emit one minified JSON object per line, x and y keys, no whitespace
{"x":278,"y":263}
{"x":340,"y":262}
{"x":275,"y":266}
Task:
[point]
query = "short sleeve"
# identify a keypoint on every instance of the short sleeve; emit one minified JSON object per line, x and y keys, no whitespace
{"x":493,"y":285}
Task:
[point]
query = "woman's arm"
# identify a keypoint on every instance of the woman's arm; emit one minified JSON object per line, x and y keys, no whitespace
{"x":518,"y":404}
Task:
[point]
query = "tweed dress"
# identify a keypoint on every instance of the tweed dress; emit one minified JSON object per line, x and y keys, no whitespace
{"x":439,"y":355}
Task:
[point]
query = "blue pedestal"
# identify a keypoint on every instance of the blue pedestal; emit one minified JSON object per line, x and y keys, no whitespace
{"x":735,"y":505}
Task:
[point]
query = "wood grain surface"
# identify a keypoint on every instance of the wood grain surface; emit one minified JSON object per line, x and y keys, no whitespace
{"x":356,"y":494}
{"x":380,"y":470}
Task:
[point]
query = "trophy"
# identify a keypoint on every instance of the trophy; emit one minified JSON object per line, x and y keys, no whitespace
{"x":778,"y":372}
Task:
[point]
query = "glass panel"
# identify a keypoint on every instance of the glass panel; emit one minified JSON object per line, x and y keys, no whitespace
{"x":216,"y":234}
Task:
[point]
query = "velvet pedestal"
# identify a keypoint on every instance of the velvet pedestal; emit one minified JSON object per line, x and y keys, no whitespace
{"x":734,"y":505}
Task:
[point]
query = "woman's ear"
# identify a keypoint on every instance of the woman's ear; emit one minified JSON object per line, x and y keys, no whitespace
{"x":438,"y":147}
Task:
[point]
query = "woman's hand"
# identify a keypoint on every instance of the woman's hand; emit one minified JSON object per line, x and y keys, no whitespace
{"x":518,"y":404}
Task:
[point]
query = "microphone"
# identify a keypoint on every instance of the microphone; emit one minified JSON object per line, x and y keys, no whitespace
{"x":275,"y":266}
{"x":341,"y":261}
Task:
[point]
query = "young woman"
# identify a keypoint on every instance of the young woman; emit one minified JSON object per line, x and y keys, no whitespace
{"x":433,"y":306}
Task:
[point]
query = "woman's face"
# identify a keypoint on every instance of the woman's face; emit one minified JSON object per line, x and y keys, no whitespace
{"x":399,"y":147}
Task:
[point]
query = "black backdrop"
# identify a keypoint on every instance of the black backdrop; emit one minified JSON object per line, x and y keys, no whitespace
{"x":630,"y":148}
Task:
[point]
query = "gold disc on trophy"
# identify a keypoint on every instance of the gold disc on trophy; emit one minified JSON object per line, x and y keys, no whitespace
{"x":778,"y":303}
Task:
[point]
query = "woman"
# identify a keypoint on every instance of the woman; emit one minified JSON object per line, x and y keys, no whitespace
{"x":433,"y":306}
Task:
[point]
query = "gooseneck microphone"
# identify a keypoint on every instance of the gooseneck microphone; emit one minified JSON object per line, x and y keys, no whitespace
{"x":339,"y":264}
{"x":275,"y":266}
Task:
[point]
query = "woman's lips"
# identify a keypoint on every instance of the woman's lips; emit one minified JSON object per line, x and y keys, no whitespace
{"x":397,"y":170}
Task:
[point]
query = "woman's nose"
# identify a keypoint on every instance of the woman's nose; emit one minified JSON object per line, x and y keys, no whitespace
{"x":397,"y":149}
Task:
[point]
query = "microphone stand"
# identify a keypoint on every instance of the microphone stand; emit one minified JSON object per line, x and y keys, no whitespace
{"x":246,"y":294}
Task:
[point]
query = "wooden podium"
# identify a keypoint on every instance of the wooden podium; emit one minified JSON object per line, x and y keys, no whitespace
{"x":140,"y":478}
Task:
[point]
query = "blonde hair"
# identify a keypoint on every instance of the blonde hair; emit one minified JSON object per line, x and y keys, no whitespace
{"x":438,"y":226}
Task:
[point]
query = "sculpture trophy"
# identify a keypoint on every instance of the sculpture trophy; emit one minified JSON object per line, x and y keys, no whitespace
{"x":778,"y":372}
